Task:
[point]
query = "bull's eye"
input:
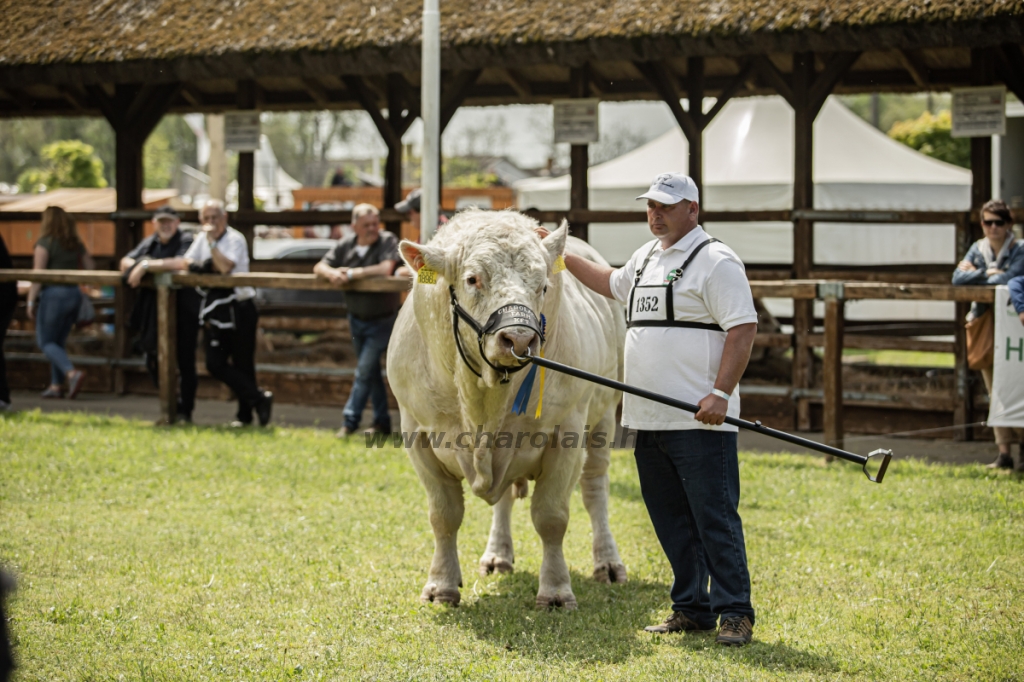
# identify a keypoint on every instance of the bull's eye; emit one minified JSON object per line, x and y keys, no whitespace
{"x":472,"y":281}
{"x":545,"y":289}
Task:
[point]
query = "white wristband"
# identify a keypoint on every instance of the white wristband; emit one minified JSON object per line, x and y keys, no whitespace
{"x":720,"y":394}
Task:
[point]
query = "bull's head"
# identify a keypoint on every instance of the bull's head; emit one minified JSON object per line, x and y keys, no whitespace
{"x":496,"y":264}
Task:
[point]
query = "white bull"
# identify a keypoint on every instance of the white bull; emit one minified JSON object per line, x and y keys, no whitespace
{"x":495,"y":259}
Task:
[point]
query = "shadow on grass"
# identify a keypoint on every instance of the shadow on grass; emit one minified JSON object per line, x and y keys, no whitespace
{"x":607,"y":626}
{"x":602,"y":629}
{"x":773,"y":656}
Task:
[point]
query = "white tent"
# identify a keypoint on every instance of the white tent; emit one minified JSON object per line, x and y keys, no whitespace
{"x":748,"y":165}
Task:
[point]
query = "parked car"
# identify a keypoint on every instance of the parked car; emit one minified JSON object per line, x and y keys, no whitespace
{"x":308,"y":252}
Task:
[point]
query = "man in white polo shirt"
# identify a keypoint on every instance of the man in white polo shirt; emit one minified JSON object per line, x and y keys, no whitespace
{"x":229,"y":316}
{"x":692,"y":324}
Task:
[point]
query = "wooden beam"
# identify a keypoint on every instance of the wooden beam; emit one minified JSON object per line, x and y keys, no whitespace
{"x":729,"y":91}
{"x":454,"y":95}
{"x":664,"y":83}
{"x":579,"y":159}
{"x":358,"y":87}
{"x":192,"y":95}
{"x":518,"y":83}
{"x":246,"y":175}
{"x":316,"y":90}
{"x":982,"y":73}
{"x":915,"y":66}
{"x":1010,"y":66}
{"x":773,"y":77}
{"x":836,"y":66}
{"x":832,"y":376}
{"x":167,"y":351}
{"x":695,"y":99}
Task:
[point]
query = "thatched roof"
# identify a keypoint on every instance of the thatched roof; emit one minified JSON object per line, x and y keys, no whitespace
{"x":40,"y":32}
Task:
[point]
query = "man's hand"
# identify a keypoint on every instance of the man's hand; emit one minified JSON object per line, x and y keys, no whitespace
{"x":712,"y":410}
{"x":1022,"y":318}
{"x":541,"y":231}
{"x":30,"y":310}
{"x":966,"y":266}
{"x":993,"y":271}
{"x":135,"y":278}
{"x":338,"y":276}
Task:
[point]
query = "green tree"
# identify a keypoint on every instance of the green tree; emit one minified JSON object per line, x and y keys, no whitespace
{"x":302,"y":141}
{"x":931,"y":135}
{"x":171,"y":144}
{"x":22,"y":141}
{"x":67,"y":163}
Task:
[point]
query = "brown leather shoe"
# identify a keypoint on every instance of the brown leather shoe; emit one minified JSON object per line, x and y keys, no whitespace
{"x":735,"y":631}
{"x":676,"y":622}
{"x":344,"y":432}
{"x":1003,"y":461}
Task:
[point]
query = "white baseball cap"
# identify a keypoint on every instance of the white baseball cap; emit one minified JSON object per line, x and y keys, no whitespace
{"x":671,"y":188}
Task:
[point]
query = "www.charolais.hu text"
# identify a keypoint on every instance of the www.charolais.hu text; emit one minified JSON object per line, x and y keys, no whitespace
{"x":472,"y":440}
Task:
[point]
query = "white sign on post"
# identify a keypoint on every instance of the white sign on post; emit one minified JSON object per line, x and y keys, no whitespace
{"x":1006,"y":404}
{"x":242,"y":131}
{"x":576,"y":121}
{"x":979,"y":112}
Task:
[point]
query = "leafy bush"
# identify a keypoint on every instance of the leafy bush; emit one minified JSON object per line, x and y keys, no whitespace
{"x":931,"y":135}
{"x":68,"y":163}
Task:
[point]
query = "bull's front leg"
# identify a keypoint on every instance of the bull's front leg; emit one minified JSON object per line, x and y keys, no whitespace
{"x":608,"y":567}
{"x":550,"y":512}
{"x":499,"y":556}
{"x":446,"y":507}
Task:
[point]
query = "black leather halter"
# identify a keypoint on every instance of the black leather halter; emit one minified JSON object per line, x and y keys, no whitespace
{"x":511,"y":315}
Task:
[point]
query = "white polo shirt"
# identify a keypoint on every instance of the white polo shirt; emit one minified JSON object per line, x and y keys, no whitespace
{"x":680,"y":362}
{"x":232,"y":246}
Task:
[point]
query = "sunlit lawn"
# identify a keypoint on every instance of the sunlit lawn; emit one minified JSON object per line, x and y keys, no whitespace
{"x":197,"y":554}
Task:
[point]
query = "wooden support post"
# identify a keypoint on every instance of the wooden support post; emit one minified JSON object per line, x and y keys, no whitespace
{"x":167,"y":347}
{"x":403,"y":108}
{"x":806,"y":93}
{"x":963,"y":407}
{"x":246,"y":100}
{"x":132,"y":111}
{"x":982,"y":73}
{"x":832,"y":377}
{"x":128,"y":181}
{"x":579,"y":159}
{"x":695,"y":99}
{"x":803,"y":230}
{"x":962,"y":398}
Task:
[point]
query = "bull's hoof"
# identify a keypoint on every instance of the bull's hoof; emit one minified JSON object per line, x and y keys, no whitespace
{"x":563,"y":601}
{"x":491,"y":563}
{"x":610,"y":573}
{"x":440,"y":595}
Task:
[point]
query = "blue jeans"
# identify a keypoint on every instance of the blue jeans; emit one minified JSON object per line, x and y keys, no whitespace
{"x":55,"y":316}
{"x":691,"y":485}
{"x":370,"y":339}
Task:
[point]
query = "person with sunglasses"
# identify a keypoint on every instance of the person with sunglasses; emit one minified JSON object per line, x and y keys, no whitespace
{"x":995,"y":259}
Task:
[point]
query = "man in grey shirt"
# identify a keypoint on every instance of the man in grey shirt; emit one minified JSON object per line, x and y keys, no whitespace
{"x":369,"y":252}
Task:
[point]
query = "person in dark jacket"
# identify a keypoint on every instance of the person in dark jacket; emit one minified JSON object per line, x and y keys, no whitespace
{"x":369,"y":252}
{"x":8,"y":302}
{"x":995,"y":259}
{"x":163,"y":251}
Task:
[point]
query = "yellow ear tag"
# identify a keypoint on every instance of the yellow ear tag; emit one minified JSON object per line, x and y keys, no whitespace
{"x":559,"y":265}
{"x":426,"y":276}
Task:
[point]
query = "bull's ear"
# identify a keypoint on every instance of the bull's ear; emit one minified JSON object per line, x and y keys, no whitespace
{"x":555,"y":242}
{"x":422,"y":255}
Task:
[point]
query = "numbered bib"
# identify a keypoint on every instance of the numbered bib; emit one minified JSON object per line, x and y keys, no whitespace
{"x":651,"y":303}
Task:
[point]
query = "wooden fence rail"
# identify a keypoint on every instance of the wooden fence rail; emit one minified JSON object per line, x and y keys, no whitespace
{"x":834,"y":294}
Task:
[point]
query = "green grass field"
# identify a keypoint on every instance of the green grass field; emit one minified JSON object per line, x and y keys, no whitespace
{"x":196,"y":554}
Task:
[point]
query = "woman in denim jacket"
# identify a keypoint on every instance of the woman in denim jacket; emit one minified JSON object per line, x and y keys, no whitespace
{"x":996,"y":259}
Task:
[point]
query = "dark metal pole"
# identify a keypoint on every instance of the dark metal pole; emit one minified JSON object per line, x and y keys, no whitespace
{"x":741,"y":423}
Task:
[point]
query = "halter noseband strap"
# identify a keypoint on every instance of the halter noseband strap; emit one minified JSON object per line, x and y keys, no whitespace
{"x":511,"y":315}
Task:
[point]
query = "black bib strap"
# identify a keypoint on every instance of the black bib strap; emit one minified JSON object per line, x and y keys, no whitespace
{"x":676,"y":323}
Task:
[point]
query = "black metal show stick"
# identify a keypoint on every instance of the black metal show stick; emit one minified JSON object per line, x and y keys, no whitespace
{"x":741,"y":423}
